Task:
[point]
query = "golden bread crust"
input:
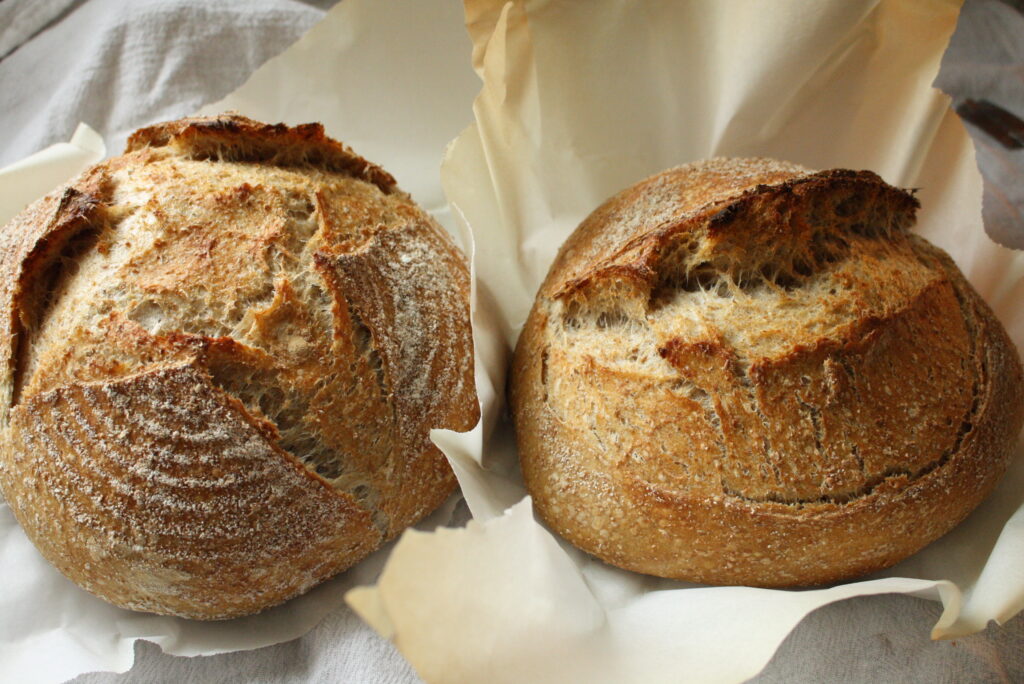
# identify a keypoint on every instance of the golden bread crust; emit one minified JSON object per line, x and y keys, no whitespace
{"x":744,"y":372}
{"x":225,"y":351}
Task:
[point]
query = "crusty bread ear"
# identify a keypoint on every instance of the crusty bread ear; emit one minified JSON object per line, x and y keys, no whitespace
{"x":234,"y":138}
{"x":744,"y":372}
{"x":224,"y":353}
{"x":34,"y":248}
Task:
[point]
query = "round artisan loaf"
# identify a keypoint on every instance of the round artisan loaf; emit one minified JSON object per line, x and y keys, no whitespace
{"x":223,"y":352}
{"x":741,"y":371}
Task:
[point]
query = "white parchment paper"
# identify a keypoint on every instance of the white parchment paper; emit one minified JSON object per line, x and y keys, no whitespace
{"x":580,"y":100}
{"x":23,"y":182}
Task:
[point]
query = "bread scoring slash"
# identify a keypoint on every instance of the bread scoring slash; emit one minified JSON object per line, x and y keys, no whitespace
{"x":741,"y":371}
{"x":223,"y":353}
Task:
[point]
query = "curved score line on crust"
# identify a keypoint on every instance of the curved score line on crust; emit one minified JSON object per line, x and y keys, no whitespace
{"x":31,"y":257}
{"x":169,"y":484}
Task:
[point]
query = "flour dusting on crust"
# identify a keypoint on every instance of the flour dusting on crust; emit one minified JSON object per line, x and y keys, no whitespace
{"x":227,"y":349}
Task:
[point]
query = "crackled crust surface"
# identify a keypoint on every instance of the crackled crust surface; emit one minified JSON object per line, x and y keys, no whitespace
{"x":745,"y":372}
{"x":222,"y":354}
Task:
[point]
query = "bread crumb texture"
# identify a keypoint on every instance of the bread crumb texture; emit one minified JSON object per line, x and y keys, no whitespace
{"x":740,"y":371}
{"x":223,"y":353}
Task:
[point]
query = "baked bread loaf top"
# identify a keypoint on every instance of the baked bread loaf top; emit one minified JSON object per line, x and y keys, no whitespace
{"x":223,"y":352}
{"x":741,"y":371}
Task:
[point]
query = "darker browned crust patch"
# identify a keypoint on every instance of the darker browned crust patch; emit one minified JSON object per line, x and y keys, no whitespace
{"x":768,"y":232}
{"x":232,"y":137}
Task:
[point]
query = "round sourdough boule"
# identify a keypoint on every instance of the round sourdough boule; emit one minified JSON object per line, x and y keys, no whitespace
{"x":743,"y":372}
{"x":223,"y":352}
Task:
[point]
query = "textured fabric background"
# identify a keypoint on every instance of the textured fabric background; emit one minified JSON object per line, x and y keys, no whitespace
{"x":118,"y":65}
{"x":985,"y":60}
